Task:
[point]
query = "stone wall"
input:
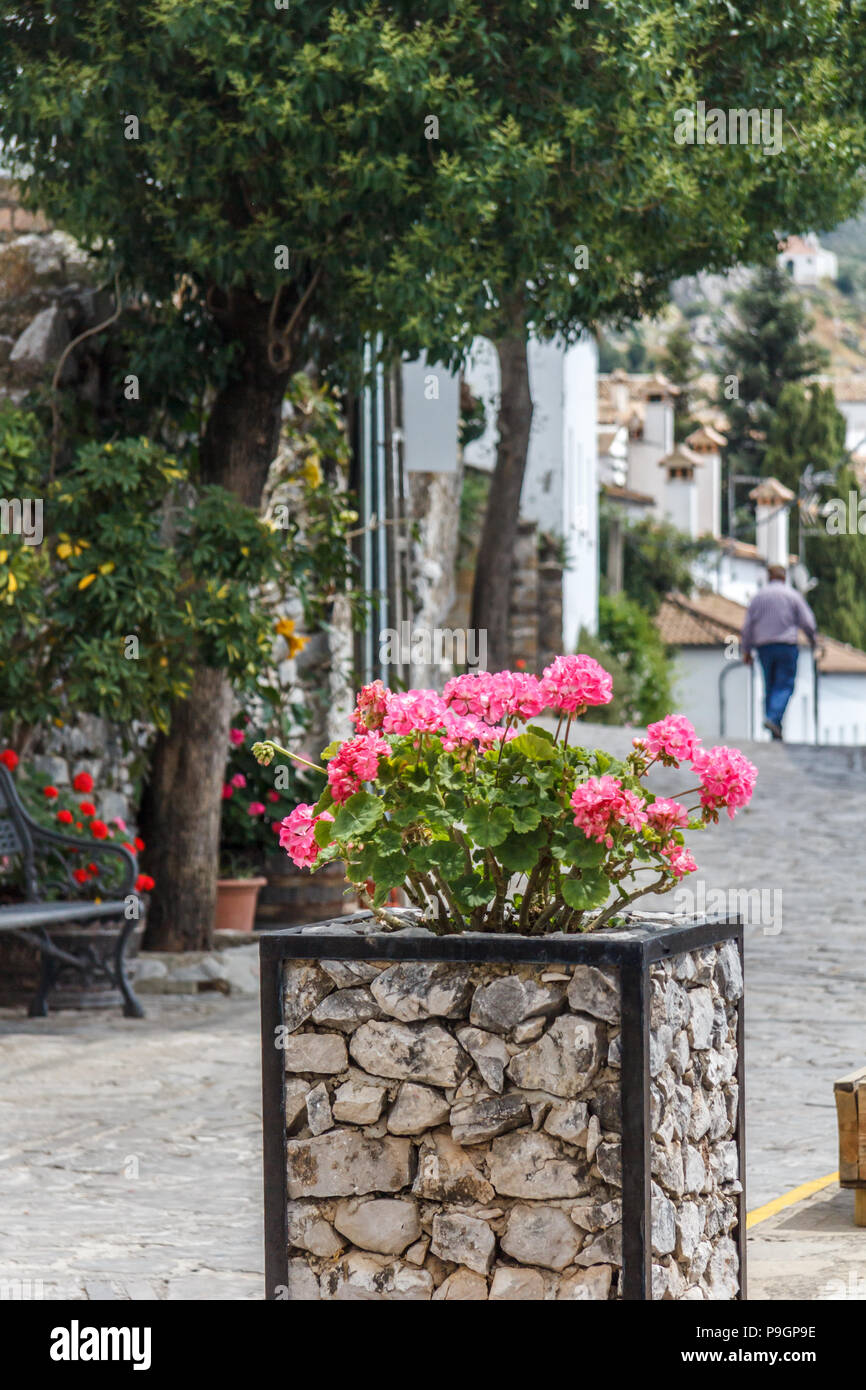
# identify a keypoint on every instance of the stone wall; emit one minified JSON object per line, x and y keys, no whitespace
{"x":454,"y":1129}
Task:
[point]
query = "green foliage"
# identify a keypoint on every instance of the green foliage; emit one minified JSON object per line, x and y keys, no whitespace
{"x":657,"y":558}
{"x":308,"y":128}
{"x":680,"y":366}
{"x":805,"y":429}
{"x":138,"y":576}
{"x":246,"y":832}
{"x":836,"y":556}
{"x":765,"y":350}
{"x":628,"y":632}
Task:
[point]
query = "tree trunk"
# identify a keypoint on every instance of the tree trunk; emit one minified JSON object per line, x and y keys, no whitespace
{"x":491,"y":594}
{"x":182,"y":804}
{"x":180,"y":817}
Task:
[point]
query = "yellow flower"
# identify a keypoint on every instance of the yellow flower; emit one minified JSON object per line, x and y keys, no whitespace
{"x":312,"y":471}
{"x":245,"y":550}
{"x":285,"y":627}
{"x":12,"y":583}
{"x":59,"y":723}
{"x":4,"y":556}
{"x":297,"y":644}
{"x":64,"y":551}
{"x":88,"y":579}
{"x":109,"y":448}
{"x":107,"y":567}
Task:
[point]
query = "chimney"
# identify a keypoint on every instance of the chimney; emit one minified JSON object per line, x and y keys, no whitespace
{"x":772,"y":500}
{"x":681,"y":489}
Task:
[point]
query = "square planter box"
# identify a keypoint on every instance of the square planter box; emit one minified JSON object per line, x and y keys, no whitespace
{"x":503,"y":1117}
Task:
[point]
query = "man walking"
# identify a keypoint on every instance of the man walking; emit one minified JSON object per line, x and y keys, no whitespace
{"x":772,"y":620}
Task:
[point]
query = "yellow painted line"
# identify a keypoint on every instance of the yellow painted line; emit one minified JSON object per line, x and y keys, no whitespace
{"x":798,"y":1194}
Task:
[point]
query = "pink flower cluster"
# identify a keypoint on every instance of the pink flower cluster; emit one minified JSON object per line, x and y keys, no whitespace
{"x":680,"y":860}
{"x":370,"y":706}
{"x":356,"y":761}
{"x":673,"y":738}
{"x":297,"y":835}
{"x":573,"y":682}
{"x":493,"y":696}
{"x":603,"y":803}
{"x":413,"y":712}
{"x":665,"y":815}
{"x":727,"y":777}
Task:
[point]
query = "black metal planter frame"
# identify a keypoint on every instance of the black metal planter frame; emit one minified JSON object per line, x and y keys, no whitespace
{"x":632,"y":952}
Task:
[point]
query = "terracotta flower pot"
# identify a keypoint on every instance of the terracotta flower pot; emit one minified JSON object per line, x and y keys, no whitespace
{"x":236,"y":903}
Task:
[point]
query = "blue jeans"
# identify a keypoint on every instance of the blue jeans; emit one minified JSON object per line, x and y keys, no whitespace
{"x":779,"y":664}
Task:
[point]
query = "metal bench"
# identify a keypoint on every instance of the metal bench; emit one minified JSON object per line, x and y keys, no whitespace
{"x":53,"y":898}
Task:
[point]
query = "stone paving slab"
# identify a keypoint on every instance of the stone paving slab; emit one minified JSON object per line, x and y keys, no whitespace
{"x":812,"y":1251}
{"x":130,"y":1164}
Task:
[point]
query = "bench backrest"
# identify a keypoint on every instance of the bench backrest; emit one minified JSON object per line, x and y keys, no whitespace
{"x":11,"y":838}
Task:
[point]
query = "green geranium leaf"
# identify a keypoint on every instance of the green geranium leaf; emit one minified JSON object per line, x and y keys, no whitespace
{"x":540,"y":732}
{"x":519,"y":853}
{"x":532,"y":746}
{"x":526,"y":817}
{"x":472,"y":891}
{"x":592,"y":890}
{"x":324,"y":803}
{"x":488,"y":825}
{"x":577,"y":850}
{"x":323,"y":833}
{"x":358,"y":815}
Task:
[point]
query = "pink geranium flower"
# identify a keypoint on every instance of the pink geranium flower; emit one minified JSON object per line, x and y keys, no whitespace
{"x":297,"y":835}
{"x":256,"y":808}
{"x":237,"y":736}
{"x":727,"y":778}
{"x":239,"y":780}
{"x":602,"y":804}
{"x":355,"y":762}
{"x":572,"y":682}
{"x":370,"y":706}
{"x":414,"y":712}
{"x":665,"y":815}
{"x":672,"y":739}
{"x":680,"y":860}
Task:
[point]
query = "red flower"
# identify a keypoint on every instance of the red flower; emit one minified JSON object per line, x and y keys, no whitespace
{"x":65,"y":817}
{"x":93,"y":869}
{"x":50,"y":792}
{"x":273,"y":796}
{"x":87,"y":808}
{"x":276,"y":826}
{"x":98,"y":829}
{"x":80,"y":875}
{"x":9,"y":758}
{"x":144,"y":883}
{"x":127,"y":845}
{"x":82,"y":782}
{"x":78,"y":825}
{"x":139,"y":843}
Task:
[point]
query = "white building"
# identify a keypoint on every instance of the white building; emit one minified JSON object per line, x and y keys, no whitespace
{"x":560,"y":490}
{"x":807,"y":261}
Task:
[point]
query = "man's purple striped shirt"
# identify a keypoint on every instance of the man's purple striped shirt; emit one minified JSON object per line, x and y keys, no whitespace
{"x":774,"y":615}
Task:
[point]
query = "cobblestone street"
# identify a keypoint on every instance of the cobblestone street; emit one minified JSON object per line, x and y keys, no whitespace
{"x":130,"y":1162}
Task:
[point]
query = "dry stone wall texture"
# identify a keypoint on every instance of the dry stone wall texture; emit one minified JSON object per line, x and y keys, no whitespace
{"x":454,"y":1129}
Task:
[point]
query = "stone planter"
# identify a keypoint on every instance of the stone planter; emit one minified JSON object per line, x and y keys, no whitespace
{"x":503,"y":1117}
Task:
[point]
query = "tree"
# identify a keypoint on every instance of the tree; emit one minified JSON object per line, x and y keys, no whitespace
{"x":680,"y":367}
{"x":766,"y":349}
{"x":264,"y":184}
{"x":657,"y":559}
{"x":806,"y":429}
{"x":836,"y":556}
